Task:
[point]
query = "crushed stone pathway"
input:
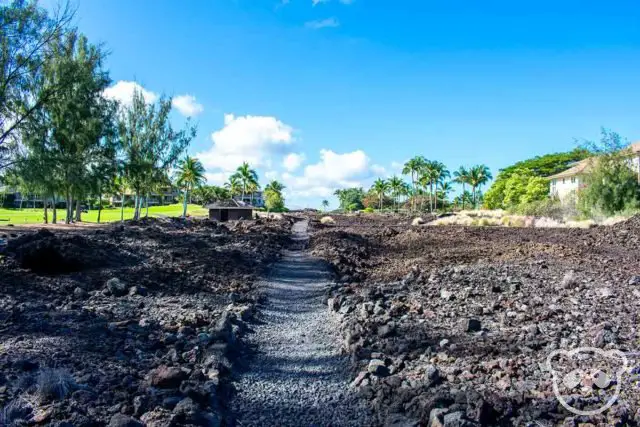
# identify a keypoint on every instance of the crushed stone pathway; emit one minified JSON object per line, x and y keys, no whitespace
{"x":296,"y":375}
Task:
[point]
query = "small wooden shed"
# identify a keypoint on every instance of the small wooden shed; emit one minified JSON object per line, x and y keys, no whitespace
{"x":226,"y":210}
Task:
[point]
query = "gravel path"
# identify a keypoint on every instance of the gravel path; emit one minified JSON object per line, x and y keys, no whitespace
{"x":297,"y":376}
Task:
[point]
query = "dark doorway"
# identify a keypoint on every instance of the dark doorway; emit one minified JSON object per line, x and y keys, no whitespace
{"x":224,"y":215}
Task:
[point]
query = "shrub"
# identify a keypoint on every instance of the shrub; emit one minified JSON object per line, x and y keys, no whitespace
{"x":549,"y":207}
{"x":368,"y":210}
{"x":611,"y":186}
{"x":327,"y":220}
{"x":484,"y":222}
{"x":417,"y":221}
{"x":53,"y":384}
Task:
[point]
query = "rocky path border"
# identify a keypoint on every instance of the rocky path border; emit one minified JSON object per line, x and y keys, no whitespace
{"x":297,"y":375}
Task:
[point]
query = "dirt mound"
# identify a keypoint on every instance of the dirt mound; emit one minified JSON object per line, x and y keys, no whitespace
{"x":44,"y":252}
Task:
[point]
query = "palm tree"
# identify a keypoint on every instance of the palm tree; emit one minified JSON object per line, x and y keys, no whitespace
{"x":325,"y":205}
{"x":461,"y":176}
{"x":340,"y":194}
{"x":190,"y":174}
{"x":396,"y":185}
{"x":234,"y":186}
{"x":275,"y":186}
{"x":478,"y":176}
{"x":247,"y":178}
{"x":445,"y":189}
{"x":380,"y":188}
{"x":252,"y":188}
{"x":440,"y":173}
{"x":427,"y":176}
{"x":413,"y":167}
{"x":407,"y":191}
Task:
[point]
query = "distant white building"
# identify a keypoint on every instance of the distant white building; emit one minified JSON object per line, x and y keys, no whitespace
{"x":255,"y":199}
{"x":567,"y":183}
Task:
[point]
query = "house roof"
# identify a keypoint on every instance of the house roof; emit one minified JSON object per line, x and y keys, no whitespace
{"x":228,"y":204}
{"x":583,"y":165}
{"x":577,"y":169}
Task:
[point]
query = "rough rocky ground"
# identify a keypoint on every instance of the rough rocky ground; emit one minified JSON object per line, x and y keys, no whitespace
{"x":453,"y":325}
{"x":297,"y":375}
{"x":127,"y":324}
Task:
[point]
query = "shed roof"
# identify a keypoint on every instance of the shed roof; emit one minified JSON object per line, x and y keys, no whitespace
{"x":228,"y":204}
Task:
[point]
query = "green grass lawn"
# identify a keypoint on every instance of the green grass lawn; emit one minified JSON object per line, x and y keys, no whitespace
{"x":35,"y":216}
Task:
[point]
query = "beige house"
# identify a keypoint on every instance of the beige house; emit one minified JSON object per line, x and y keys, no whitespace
{"x":567,"y":183}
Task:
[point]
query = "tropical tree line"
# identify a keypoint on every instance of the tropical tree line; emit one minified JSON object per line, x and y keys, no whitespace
{"x":428,"y":188}
{"x":61,"y":137}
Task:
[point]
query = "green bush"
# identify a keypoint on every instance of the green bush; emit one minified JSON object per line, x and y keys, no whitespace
{"x":368,"y":210}
{"x":549,"y":207}
{"x":611,"y":188}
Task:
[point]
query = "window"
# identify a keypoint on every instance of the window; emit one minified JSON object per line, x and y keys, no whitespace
{"x":563,"y":180}
{"x":573,"y":179}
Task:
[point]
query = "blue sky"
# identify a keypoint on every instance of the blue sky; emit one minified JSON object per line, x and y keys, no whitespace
{"x":354,"y":88}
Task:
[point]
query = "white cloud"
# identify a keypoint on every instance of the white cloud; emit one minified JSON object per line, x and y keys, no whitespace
{"x":271,"y":175}
{"x":254,"y":139}
{"x":397,"y":166}
{"x":217,"y":178}
{"x":322,"y":23}
{"x":187,"y":105}
{"x":123,"y":92}
{"x":333,"y":171}
{"x":292,"y":161}
{"x":379,"y":170}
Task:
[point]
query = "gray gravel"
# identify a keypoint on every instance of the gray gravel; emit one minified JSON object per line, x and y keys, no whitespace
{"x":297,"y":375}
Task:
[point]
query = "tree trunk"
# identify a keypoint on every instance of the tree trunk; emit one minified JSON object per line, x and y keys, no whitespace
{"x":463,"y":191}
{"x":415,"y":194}
{"x":136,"y":206}
{"x":99,"y":206}
{"x":54,"y":216}
{"x":69,"y":208}
{"x":122,"y":207}
{"x":184,"y":203}
{"x":46,"y":212}
{"x":435,"y":201}
{"x":431,"y":196}
{"x":78,"y":211}
{"x":146,"y":202}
